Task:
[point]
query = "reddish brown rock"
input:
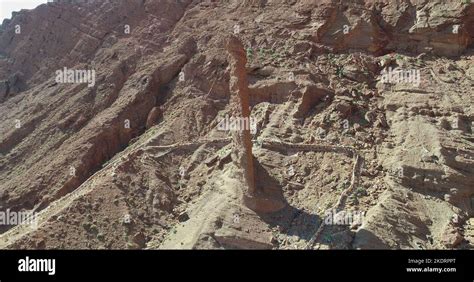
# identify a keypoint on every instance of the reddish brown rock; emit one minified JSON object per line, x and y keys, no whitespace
{"x":82,"y":153}
{"x":240,"y":103}
{"x":153,"y":117}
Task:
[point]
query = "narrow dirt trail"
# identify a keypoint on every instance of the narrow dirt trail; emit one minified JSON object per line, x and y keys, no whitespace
{"x":341,"y":200}
{"x":212,"y":202}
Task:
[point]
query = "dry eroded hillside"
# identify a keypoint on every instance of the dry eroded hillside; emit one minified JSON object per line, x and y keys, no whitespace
{"x":359,"y":107}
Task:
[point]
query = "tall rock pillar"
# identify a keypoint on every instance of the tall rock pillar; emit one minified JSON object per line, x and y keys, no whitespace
{"x":240,"y":107}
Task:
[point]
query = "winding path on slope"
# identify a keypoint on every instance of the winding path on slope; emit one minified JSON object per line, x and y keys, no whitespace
{"x":17,"y":232}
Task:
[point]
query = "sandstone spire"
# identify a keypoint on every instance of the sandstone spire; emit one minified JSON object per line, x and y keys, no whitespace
{"x":240,"y":107}
{"x":242,"y":156}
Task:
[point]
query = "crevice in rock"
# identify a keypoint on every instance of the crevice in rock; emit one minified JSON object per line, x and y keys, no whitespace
{"x":115,"y":138}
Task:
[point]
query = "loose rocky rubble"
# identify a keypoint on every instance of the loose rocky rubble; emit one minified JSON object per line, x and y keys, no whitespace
{"x":139,"y":160}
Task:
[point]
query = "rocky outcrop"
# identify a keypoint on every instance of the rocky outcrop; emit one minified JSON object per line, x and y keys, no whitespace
{"x":153,"y":117}
{"x":309,"y":76}
{"x":242,"y":139}
{"x":443,"y":28}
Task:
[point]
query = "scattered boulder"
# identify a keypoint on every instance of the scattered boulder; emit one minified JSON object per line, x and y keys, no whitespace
{"x":182,"y":217}
{"x":153,"y":117}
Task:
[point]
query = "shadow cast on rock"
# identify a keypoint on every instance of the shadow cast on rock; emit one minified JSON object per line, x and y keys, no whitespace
{"x":290,"y":220}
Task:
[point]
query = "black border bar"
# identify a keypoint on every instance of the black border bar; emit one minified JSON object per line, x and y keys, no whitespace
{"x":329,"y":265}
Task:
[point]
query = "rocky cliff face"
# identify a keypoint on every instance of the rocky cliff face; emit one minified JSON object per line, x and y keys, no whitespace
{"x":363,"y":107}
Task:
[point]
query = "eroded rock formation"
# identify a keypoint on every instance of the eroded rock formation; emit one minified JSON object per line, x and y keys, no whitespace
{"x":138,"y":159}
{"x":240,"y":108}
